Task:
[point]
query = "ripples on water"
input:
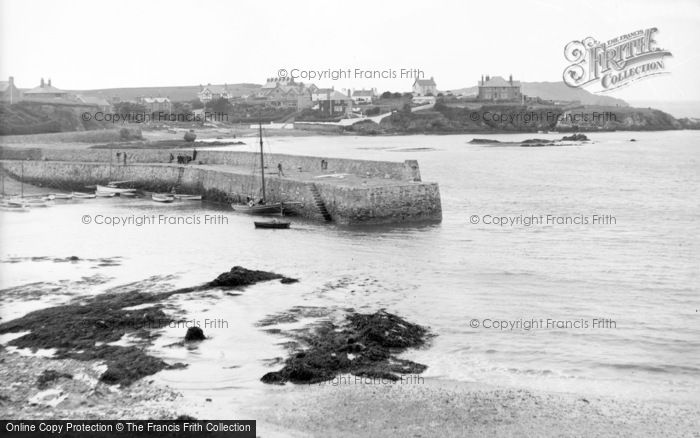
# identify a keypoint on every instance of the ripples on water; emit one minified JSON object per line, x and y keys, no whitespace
{"x":641,"y":272}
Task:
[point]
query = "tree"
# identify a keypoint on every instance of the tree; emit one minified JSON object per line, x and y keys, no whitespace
{"x":386,"y":95}
{"x":396,"y":95}
{"x":196,"y":104}
{"x":129,"y":108}
{"x":220,"y":105}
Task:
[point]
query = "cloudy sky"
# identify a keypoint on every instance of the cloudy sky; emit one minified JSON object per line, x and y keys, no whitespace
{"x":91,"y":44}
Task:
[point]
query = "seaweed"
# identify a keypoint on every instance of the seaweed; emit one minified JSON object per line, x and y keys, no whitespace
{"x":365,"y":346}
{"x":83,"y":330}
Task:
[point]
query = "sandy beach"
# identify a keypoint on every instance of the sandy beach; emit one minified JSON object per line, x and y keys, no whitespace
{"x":421,"y":408}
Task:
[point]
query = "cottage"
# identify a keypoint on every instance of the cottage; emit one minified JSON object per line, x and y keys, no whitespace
{"x":498,"y":89}
{"x":363,"y":96}
{"x":99,"y":102}
{"x":425,"y":87}
{"x":332,"y":102}
{"x":45,"y":91}
{"x":8,"y":92}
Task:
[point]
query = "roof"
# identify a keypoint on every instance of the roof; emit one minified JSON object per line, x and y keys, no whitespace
{"x":368,"y":93}
{"x":93,"y":100}
{"x":4,"y":85}
{"x":216,"y":89}
{"x":155,"y":100}
{"x":498,"y":81}
{"x":46,"y":89}
{"x":425,"y":82}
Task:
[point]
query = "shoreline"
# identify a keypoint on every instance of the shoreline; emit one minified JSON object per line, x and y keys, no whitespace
{"x":434,"y":407}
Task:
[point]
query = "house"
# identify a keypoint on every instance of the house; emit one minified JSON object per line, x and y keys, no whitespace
{"x":498,"y":89}
{"x":425,"y":87}
{"x":331,"y":102}
{"x":8,"y":91}
{"x":213,"y":92}
{"x":99,"y":102}
{"x":286,"y":93}
{"x":155,"y":104}
{"x":363,"y":96}
{"x":45,"y":91}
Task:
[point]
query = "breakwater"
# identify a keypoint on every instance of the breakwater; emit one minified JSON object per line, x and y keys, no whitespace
{"x":344,"y":191}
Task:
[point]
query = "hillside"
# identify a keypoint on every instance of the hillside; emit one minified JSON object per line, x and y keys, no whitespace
{"x":180,"y":93}
{"x":556,"y":91}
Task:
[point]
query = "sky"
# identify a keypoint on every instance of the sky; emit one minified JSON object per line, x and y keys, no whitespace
{"x":93,"y":44}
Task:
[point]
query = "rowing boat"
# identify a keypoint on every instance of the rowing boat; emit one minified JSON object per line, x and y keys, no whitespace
{"x":162,"y":197}
{"x":273,"y":224}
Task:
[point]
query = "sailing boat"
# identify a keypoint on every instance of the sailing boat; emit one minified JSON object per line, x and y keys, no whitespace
{"x":262,"y":206}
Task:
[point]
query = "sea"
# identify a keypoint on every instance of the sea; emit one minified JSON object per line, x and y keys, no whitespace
{"x":568,"y":269}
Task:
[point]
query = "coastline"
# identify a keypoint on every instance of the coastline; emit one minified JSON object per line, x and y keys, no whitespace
{"x":433,"y":407}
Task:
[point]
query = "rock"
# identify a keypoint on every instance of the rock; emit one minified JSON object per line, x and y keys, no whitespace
{"x":190,"y":136}
{"x":287,"y":280}
{"x":575,"y":137}
{"x":483,"y":141}
{"x":194,"y":334}
{"x":371,"y":339}
{"x":49,"y":376}
{"x":240,"y":276}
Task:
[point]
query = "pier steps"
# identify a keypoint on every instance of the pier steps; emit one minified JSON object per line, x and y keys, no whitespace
{"x":320,"y":204}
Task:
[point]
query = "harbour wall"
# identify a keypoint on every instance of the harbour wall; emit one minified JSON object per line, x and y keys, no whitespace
{"x":392,"y":203}
{"x":404,"y":171}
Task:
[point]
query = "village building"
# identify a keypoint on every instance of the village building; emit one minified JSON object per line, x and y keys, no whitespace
{"x":99,"y":102}
{"x":213,"y":92}
{"x":8,"y":92}
{"x":425,"y":87}
{"x":155,"y":104}
{"x":498,"y":89}
{"x":363,"y":96}
{"x":285,"y":93}
{"x":45,"y":91}
{"x":331,"y":102}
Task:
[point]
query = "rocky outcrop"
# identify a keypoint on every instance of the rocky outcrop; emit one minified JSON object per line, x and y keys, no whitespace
{"x":365,"y":346}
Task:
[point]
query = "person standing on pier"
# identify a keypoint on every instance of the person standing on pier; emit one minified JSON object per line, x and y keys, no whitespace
{"x":279,"y":170}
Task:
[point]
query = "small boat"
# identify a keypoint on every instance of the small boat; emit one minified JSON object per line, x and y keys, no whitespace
{"x":100,"y":194}
{"x":113,"y":189}
{"x":127,"y":194}
{"x":7,"y":206}
{"x":81,"y":195}
{"x":274,"y":224}
{"x":62,"y":195}
{"x":262,"y":207}
{"x":41,"y":202}
{"x":162,"y":197}
{"x":188,"y":197}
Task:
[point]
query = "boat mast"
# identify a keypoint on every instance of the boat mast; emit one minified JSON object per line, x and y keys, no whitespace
{"x":22,"y":181}
{"x":262,"y":161}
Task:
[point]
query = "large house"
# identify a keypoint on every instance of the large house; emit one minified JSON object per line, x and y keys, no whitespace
{"x":45,"y":91}
{"x":331,"y":102}
{"x":425,"y":87}
{"x":286,"y":93}
{"x":498,"y":89}
{"x":155,"y":104}
{"x":213,"y":92}
{"x":8,"y":91}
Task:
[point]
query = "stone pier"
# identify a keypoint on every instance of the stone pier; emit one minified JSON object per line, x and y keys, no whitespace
{"x":353,"y":192}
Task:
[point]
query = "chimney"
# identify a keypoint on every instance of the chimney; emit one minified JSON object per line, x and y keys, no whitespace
{"x":49,"y":82}
{"x":511,"y":79}
{"x":12,"y":81}
{"x":42,"y":82}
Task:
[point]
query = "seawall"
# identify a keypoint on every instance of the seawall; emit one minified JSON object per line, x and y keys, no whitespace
{"x":353,"y":192}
